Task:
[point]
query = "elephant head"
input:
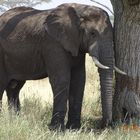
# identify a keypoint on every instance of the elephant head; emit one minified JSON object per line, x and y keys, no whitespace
{"x":82,"y":28}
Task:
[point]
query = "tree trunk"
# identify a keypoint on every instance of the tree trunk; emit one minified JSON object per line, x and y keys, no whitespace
{"x":127,"y":56}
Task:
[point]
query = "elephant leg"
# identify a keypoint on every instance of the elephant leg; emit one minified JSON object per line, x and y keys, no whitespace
{"x":60,"y":87}
{"x":58,"y":69}
{"x":2,"y":88}
{"x":3,"y":76}
{"x":13,"y":90}
{"x":76,"y":95}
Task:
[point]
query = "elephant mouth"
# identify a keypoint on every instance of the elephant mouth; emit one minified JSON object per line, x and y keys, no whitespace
{"x":99,"y":65}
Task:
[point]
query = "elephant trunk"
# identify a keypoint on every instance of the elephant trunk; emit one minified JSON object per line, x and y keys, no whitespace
{"x":106,"y":82}
{"x":106,"y":57}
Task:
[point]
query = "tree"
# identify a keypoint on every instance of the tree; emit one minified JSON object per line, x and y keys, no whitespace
{"x":7,"y":4}
{"x":127,"y":56}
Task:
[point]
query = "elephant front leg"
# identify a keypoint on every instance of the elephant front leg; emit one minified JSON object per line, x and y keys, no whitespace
{"x":59,"y":70}
{"x":60,"y":89}
{"x":76,"y":96}
{"x":59,"y":77}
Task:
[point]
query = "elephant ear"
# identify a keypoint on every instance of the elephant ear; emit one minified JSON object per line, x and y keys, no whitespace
{"x":63,"y":25}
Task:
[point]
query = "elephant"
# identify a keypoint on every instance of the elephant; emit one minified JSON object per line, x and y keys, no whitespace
{"x":35,"y":44}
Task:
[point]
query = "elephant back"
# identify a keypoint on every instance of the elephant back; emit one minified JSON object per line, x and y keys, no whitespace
{"x":22,"y":21}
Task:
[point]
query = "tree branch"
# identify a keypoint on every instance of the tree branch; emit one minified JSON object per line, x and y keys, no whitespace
{"x":103,"y":6}
{"x":7,"y":4}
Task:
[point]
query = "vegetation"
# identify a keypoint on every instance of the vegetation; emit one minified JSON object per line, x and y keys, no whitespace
{"x":7,"y":4}
{"x":36,"y":108}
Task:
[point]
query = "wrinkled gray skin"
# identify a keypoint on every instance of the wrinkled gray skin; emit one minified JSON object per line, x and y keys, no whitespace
{"x":37,"y":44}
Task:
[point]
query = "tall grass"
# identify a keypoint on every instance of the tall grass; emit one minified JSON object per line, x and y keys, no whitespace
{"x":36,"y":109}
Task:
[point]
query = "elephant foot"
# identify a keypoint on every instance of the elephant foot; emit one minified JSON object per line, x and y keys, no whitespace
{"x":57,"y":127}
{"x":106,"y":124}
{"x":57,"y":124}
{"x":73,"y":125}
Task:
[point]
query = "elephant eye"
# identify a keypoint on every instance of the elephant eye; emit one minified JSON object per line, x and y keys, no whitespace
{"x":93,"y":34}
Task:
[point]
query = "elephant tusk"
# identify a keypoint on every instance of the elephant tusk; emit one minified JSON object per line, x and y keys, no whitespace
{"x":119,"y":71}
{"x":98,"y":64}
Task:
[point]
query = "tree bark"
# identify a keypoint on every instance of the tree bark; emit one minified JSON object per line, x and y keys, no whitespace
{"x":127,"y":56}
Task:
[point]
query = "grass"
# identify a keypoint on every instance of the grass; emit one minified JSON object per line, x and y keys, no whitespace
{"x":31,"y":124}
{"x":36,"y":108}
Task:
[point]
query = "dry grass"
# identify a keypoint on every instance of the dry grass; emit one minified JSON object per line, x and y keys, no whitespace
{"x":32,"y":122}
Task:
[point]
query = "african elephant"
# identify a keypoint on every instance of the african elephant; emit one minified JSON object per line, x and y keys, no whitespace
{"x":52,"y":43}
